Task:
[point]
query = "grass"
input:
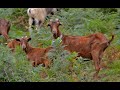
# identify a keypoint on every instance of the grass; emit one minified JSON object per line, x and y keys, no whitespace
{"x":75,"y":21}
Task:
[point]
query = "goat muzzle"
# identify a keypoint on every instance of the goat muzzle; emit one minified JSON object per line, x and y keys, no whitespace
{"x":23,"y":47}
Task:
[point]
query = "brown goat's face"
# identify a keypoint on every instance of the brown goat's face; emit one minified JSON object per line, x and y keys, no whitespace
{"x":54,"y":25}
{"x":24,"y":42}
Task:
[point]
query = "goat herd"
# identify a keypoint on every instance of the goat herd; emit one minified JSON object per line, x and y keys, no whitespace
{"x":91,"y":46}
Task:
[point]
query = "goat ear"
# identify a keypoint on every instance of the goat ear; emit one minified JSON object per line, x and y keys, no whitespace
{"x":6,"y":43}
{"x":60,"y":24}
{"x":17,"y":39}
{"x":48,"y":24}
{"x":29,"y":39}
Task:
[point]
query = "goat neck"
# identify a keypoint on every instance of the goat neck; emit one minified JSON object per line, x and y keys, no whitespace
{"x":58,"y":34}
{"x":28,"y":49}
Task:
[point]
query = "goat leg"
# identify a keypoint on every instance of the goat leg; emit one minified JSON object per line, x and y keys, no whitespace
{"x":5,"y":35}
{"x":46,"y":63}
{"x":95,"y":57}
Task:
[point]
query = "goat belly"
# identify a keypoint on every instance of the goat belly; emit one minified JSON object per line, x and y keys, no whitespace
{"x":33,"y":58}
{"x":85,"y":55}
{"x":36,"y":55}
{"x":81,"y":45}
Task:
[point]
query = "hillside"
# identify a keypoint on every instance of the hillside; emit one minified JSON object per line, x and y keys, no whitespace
{"x":75,"y":21}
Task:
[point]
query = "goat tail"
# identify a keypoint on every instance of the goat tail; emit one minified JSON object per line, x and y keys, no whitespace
{"x":106,"y":44}
{"x":111,"y":39}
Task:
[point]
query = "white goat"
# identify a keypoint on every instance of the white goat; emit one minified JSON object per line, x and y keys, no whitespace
{"x":37,"y":16}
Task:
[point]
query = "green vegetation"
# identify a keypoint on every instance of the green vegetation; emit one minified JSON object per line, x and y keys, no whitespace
{"x":14,"y":67}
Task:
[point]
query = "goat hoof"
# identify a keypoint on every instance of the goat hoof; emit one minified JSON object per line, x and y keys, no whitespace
{"x":96,"y":77}
{"x":103,"y":75}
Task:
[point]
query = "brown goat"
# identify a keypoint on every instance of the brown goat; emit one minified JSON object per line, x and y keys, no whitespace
{"x":91,"y":46}
{"x":4,"y":28}
{"x":35,"y":55}
{"x":12,"y":44}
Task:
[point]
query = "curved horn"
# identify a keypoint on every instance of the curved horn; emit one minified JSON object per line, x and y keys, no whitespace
{"x":56,"y":19}
{"x":51,"y":20}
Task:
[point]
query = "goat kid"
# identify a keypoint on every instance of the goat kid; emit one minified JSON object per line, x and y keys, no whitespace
{"x":35,"y":55}
{"x":13,"y":44}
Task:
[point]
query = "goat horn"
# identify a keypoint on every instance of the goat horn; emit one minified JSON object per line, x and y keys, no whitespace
{"x":56,"y":19}
{"x":51,"y":20}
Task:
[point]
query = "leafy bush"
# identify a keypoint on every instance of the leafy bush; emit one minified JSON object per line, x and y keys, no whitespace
{"x":75,"y":21}
{"x":15,"y":67}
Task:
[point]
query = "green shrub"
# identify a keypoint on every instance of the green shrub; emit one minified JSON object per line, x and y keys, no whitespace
{"x":15,"y":67}
{"x":75,"y":21}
